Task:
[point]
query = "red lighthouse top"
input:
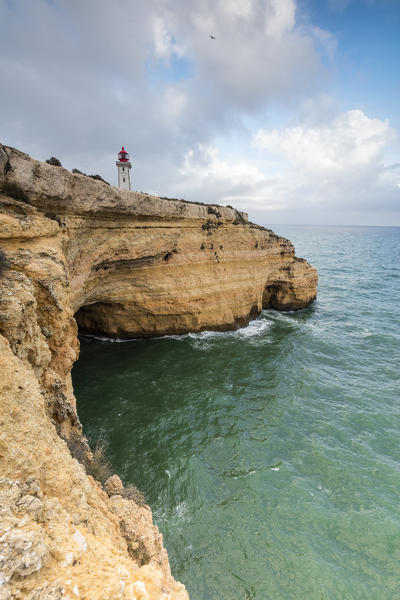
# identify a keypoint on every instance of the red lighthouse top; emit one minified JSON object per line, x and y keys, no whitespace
{"x":123,"y":156}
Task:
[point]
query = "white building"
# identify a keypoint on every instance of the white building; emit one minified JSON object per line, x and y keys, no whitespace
{"x":124,"y":168}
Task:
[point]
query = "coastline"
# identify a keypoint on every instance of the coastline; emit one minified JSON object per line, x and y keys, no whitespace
{"x":70,"y":245}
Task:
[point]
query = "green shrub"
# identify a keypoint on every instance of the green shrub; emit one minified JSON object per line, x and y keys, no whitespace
{"x":97,"y":464}
{"x":96,"y":177}
{"x":132,"y":493}
{"x":54,"y":161}
{"x":213,"y":210}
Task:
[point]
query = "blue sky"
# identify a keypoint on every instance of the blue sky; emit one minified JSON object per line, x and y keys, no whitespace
{"x":368,"y":50}
{"x":291,"y":113}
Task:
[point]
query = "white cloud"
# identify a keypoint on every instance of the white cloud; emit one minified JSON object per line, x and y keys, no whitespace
{"x":162,"y":39}
{"x":237,"y":8}
{"x":81,"y":78}
{"x":175,"y":101}
{"x":333,"y":173}
{"x":336,"y":170}
{"x":351,"y":141}
{"x":164,"y":44}
{"x":206,"y":163}
{"x":89,"y":61}
{"x":280,"y":18}
{"x":211,"y":177}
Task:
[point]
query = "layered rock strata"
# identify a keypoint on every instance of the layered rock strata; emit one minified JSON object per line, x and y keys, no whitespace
{"x":123,"y":264}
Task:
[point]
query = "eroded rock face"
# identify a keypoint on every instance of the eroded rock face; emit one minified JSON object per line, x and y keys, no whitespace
{"x":138,"y":265}
{"x":122,"y":264}
{"x":61,"y":536}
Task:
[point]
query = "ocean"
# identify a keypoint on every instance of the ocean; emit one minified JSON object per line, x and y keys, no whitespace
{"x":270,"y":456}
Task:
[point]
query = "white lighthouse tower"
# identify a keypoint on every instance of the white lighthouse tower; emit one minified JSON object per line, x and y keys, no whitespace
{"x":124,"y":168}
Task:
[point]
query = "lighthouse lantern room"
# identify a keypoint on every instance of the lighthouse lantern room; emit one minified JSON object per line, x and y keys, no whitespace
{"x":124,"y":168}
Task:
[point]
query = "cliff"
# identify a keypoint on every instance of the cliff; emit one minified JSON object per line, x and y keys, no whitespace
{"x":77,"y":252}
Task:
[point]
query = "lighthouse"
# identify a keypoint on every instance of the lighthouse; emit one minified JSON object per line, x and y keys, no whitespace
{"x":124,"y":168}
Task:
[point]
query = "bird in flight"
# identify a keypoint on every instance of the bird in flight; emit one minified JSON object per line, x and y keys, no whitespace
{"x":212,"y":37}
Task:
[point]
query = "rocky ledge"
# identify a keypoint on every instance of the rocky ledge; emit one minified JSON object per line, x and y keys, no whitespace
{"x":77,"y":252}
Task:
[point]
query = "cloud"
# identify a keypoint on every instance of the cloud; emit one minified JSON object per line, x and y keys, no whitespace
{"x":79,"y":79}
{"x":78,"y":76}
{"x":352,"y":141}
{"x":337,"y":168}
{"x":242,"y":9}
{"x":213,"y":178}
{"x":281,"y":19}
{"x":313,"y":172}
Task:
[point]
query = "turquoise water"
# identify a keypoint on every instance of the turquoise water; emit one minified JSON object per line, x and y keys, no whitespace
{"x":271,"y":455}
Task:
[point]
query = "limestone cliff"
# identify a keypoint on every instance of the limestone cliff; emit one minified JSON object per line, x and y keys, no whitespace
{"x":74,"y":250}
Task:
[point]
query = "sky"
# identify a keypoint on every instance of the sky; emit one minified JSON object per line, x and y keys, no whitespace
{"x":291,"y":113}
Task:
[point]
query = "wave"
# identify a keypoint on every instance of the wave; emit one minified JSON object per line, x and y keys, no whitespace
{"x":103,"y":338}
{"x":254,"y":329}
{"x":204,"y":339}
